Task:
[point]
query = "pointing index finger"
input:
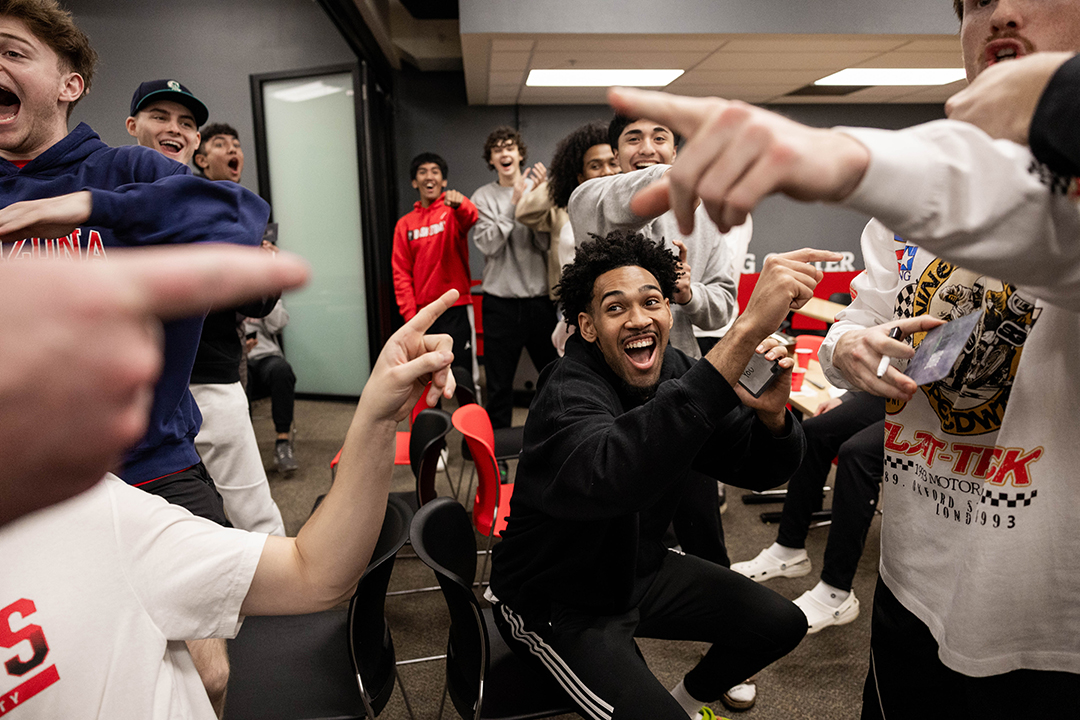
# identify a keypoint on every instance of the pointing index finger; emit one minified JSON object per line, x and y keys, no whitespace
{"x":681,"y":114}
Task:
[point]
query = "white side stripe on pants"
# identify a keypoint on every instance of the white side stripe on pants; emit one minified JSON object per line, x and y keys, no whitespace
{"x":586,"y":698}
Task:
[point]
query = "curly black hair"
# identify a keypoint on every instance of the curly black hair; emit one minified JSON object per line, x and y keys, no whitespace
{"x":618,"y":124}
{"x":423,"y":159}
{"x":569,"y":160}
{"x":958,"y":6}
{"x":500,"y":135}
{"x":595,"y":257}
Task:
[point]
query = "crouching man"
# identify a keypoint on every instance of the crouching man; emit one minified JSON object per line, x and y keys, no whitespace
{"x":616,"y":428}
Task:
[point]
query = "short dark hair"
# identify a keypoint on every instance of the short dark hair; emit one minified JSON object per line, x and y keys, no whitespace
{"x":618,"y":124}
{"x":423,"y":159}
{"x":55,"y":27}
{"x":958,"y":6}
{"x":500,"y":135}
{"x":208,"y":133}
{"x":569,"y":160}
{"x":620,"y":248}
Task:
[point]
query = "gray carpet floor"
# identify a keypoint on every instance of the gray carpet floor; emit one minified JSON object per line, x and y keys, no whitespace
{"x":821,"y":679}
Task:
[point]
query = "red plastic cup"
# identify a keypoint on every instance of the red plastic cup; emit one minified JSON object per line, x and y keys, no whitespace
{"x":802,"y":356}
{"x":797,"y":375}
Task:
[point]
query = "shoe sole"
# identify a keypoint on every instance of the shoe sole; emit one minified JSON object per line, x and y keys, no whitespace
{"x":840,"y":621}
{"x":736,"y":705}
{"x":798,"y":570}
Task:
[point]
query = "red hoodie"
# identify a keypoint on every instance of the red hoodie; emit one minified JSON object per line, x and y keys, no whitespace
{"x":431,"y":254}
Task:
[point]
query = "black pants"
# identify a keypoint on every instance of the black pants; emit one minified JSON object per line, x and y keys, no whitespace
{"x":193,"y":489}
{"x":855,"y":431}
{"x":511,"y":324}
{"x":697,"y":523}
{"x":273,"y":375}
{"x":907,"y":680}
{"x":597,"y":661}
{"x":455,"y":323}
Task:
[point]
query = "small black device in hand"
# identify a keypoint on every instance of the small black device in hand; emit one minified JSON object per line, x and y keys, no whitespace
{"x":759,"y":374}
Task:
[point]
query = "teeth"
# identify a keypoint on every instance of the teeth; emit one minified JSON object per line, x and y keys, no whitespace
{"x":636,"y":344}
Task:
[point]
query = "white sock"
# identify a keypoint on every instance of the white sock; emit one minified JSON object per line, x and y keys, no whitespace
{"x":831,"y":596}
{"x":689,"y":705}
{"x":785,"y":553}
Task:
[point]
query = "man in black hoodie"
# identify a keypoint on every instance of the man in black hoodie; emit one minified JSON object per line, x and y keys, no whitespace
{"x":615,"y":430}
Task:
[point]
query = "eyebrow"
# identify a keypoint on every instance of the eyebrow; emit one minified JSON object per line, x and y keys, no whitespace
{"x":642,"y":289}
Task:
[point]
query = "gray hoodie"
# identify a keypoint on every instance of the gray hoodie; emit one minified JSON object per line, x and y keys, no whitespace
{"x":515,"y":256}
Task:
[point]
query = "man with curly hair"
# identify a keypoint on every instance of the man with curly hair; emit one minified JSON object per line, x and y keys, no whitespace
{"x":518,"y":312}
{"x":582,"y":155}
{"x":617,"y":426}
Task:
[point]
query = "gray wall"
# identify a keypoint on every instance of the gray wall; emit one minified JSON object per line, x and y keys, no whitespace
{"x":432,"y":115}
{"x":709,"y":16}
{"x":209,"y":45}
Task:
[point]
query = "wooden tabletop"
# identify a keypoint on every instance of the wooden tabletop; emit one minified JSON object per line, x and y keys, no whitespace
{"x":807,"y":400}
{"x":820,"y":309}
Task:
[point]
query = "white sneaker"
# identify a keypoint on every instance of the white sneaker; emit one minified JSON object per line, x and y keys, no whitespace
{"x":820,"y":616}
{"x":767,"y":566}
{"x":444,"y":457}
{"x":741,"y":697}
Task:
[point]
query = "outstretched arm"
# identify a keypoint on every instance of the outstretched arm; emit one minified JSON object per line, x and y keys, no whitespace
{"x":322,"y":564}
{"x":61,"y":431}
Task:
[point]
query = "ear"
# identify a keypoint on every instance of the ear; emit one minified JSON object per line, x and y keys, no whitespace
{"x":444,"y":183}
{"x":71,"y":88}
{"x":674,"y":149}
{"x":580,"y":178}
{"x":670,"y":315}
{"x":130,"y":125}
{"x":586,"y":327}
{"x":415,"y":184}
{"x":201,"y":161}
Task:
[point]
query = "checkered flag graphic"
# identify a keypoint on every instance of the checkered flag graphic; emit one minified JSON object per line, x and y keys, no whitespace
{"x":898,"y":463}
{"x":1001,"y":499}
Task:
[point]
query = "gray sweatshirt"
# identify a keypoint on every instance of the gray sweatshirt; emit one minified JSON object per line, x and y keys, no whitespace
{"x":515,"y":256}
{"x":601,"y":205}
{"x":266,"y":330}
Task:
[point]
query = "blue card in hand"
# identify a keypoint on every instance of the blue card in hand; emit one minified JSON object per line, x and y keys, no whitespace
{"x":938,"y":351}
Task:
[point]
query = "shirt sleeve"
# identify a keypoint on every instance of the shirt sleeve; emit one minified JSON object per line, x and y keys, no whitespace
{"x":493,"y":228}
{"x":180,"y":209}
{"x":600,"y":205}
{"x":713,"y":302}
{"x":986,"y":205}
{"x":401,"y":261}
{"x":535,"y":209}
{"x":190,"y":574}
{"x":1054,"y":136}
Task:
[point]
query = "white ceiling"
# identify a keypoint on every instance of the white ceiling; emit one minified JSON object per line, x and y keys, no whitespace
{"x":757,"y":68}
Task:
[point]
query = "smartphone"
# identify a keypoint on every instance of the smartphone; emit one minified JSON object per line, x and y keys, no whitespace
{"x":759,"y":374}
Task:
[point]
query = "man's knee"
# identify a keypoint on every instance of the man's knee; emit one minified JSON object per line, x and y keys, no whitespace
{"x":282,"y":373}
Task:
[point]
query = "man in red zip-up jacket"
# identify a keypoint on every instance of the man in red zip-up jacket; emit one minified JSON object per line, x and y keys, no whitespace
{"x":431,"y":254}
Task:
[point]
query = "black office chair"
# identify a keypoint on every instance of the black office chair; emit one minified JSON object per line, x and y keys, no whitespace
{"x":334,"y":664}
{"x":426,"y":443}
{"x":484,"y":678}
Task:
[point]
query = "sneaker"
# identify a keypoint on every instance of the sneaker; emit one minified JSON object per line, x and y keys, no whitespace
{"x":283,"y":458}
{"x":820,"y":616}
{"x":706,"y":713}
{"x":741,"y":697}
{"x":444,"y":457}
{"x":767,"y":566}
{"x":722,"y":492}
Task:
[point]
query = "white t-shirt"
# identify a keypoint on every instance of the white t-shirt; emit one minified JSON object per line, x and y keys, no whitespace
{"x":96,"y":596}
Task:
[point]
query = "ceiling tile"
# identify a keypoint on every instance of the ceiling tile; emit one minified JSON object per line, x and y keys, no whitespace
{"x":748,"y":77}
{"x":939,"y":44}
{"x":514,"y":77}
{"x":511,"y":45}
{"x":504,"y":61}
{"x":631,"y":43}
{"x":814,"y":43}
{"x":917,"y":60}
{"x":607,"y":60}
{"x":783,"y":61}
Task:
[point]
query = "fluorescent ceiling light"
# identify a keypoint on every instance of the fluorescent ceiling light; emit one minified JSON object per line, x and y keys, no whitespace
{"x":307,"y":91}
{"x":601,"y":78}
{"x":894,"y":76}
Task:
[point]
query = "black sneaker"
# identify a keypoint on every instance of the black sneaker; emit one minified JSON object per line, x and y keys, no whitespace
{"x":283,"y":458}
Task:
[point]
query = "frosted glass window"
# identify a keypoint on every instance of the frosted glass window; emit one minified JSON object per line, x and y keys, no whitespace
{"x":315,"y":193}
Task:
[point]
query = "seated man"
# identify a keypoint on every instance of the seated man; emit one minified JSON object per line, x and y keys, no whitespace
{"x":269,"y":373}
{"x":850,"y":427}
{"x":99,"y":589}
{"x":614,"y":432}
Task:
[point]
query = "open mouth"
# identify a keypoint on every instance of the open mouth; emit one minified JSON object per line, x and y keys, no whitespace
{"x":506,"y":163}
{"x":234,"y":164}
{"x":641,"y":350}
{"x":9,"y":105}
{"x":642,"y":164}
{"x":1004,"y":50}
{"x":171,"y":147}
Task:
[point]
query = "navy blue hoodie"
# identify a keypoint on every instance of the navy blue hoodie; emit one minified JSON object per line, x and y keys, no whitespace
{"x":140,"y":197}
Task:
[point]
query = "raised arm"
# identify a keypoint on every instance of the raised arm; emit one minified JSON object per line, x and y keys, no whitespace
{"x":601,"y":205}
{"x":493,"y":226}
{"x":322,"y":564}
{"x":536,"y":210}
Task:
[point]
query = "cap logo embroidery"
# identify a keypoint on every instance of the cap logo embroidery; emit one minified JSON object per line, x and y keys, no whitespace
{"x":174,"y":86}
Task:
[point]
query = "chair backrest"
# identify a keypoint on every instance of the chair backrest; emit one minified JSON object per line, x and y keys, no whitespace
{"x":426,"y":442}
{"x":463,"y":392}
{"x":370,"y":645}
{"x":472,"y":421}
{"x":444,"y":540}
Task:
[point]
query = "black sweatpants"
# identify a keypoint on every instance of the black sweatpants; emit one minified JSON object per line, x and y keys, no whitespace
{"x":597,"y":661}
{"x":193,"y":489}
{"x":907,"y":680}
{"x":455,"y":323}
{"x":511,"y":324}
{"x":855,"y":430}
{"x":273,"y":375}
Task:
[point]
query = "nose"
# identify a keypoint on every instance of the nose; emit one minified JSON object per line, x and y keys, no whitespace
{"x":637,"y":318}
{"x":1006,"y":16}
{"x":647,"y":148}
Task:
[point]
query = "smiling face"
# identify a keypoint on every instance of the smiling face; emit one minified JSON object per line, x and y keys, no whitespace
{"x":430,"y":182}
{"x":222,"y":158}
{"x":167,"y":127}
{"x":599,"y":161}
{"x":996,"y":30}
{"x":645,"y":143}
{"x":34,"y":93}
{"x":506,"y":158}
{"x":629,"y":320}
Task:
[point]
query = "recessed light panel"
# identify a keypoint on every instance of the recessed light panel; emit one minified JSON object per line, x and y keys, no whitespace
{"x":575,"y":77}
{"x":894,"y":76}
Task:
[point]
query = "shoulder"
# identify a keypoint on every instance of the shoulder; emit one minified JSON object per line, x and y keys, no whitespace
{"x":145,"y":164}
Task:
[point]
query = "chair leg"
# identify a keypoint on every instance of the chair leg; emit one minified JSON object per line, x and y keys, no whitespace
{"x":404,"y":695}
{"x":365,"y":699}
{"x":442,"y":703}
{"x":487,"y":554}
